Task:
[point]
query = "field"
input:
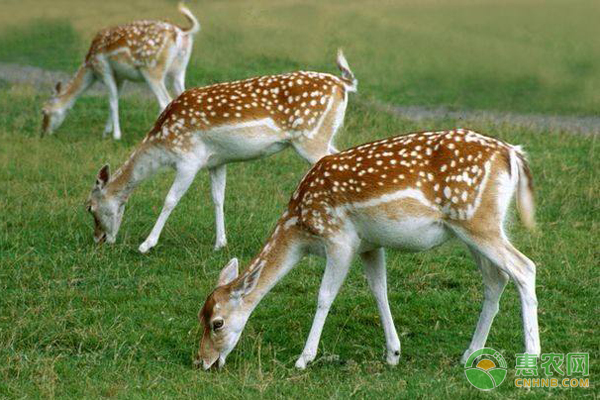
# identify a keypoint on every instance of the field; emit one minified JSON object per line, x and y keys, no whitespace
{"x":78,"y":320}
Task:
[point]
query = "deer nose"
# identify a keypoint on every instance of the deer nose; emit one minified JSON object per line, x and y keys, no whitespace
{"x":211,"y":366}
{"x":208,"y":366}
{"x":197,"y":362}
{"x":101,"y":239}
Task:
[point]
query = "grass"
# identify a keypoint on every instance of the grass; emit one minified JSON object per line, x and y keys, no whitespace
{"x":77,"y":320}
{"x":35,"y":44}
{"x":80,"y":320}
{"x":528,"y":56}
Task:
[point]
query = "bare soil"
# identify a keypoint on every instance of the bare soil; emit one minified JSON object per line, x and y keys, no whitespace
{"x":44,"y":80}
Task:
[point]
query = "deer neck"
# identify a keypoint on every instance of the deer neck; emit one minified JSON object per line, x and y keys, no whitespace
{"x":279,"y":255}
{"x":142,"y":164}
{"x":80,"y":82}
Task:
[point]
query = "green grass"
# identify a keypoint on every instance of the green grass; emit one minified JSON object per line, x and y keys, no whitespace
{"x":35,"y":44}
{"x":527,"y":56}
{"x":81,"y":320}
{"x":78,"y":320}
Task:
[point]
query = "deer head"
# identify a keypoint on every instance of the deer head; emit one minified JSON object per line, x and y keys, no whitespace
{"x":53,"y":111}
{"x":106,"y":209}
{"x":224,"y":315}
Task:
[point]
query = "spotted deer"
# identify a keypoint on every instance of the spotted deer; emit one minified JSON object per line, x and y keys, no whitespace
{"x":410,"y":192}
{"x":212,"y":126}
{"x":147,"y":51}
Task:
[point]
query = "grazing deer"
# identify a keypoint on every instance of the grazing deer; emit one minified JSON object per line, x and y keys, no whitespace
{"x":141,"y":50}
{"x":211,"y":126}
{"x":410,"y":192}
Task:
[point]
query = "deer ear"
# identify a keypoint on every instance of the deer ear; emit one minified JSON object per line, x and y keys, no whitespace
{"x":58,"y":87}
{"x":228,"y":273}
{"x":247,"y":285}
{"x":103,"y":176}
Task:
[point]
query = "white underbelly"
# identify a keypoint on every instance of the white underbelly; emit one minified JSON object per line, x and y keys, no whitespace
{"x":409,"y":234}
{"x":126,"y":71}
{"x":245,"y":141}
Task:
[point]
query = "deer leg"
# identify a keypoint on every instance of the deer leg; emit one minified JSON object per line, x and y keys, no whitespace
{"x":108,"y":127}
{"x":374,"y":266}
{"x":217,"y":187}
{"x":524,"y":277}
{"x":339,"y":258}
{"x":522,"y":271}
{"x":319,"y":143}
{"x":494,"y":281}
{"x":184,"y":176}
{"x":312,"y":150}
{"x":113,"y":98}
{"x":157,"y":85}
{"x":179,"y":82}
{"x":179,"y":66}
{"x":179,"y":70}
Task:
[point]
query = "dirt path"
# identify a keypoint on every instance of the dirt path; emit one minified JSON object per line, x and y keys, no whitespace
{"x":44,"y":80}
{"x":589,"y":126}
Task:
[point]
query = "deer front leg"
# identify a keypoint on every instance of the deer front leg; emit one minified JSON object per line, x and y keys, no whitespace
{"x":217,"y":188}
{"x":339,"y":259}
{"x":375,"y":271}
{"x":183,"y":179}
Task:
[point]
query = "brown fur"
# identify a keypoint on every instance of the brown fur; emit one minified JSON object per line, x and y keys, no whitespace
{"x":144,"y":41}
{"x":250,"y":99}
{"x":319,"y":142}
{"x":427,"y":165}
{"x":448,"y":167}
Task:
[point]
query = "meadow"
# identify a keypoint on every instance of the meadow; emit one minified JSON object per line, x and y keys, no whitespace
{"x":80,"y":320}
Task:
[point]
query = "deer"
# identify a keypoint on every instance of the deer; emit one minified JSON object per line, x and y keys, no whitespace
{"x":411,"y":192}
{"x":149,"y":51}
{"x":209,"y":127}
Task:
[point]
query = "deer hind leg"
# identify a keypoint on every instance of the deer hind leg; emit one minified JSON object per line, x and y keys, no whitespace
{"x":184,"y":177}
{"x":179,"y":82}
{"x":339,"y":258}
{"x":179,"y":66}
{"x":494,"y":282}
{"x":217,"y":187}
{"x":156,"y":81}
{"x":374,"y":265}
{"x":524,"y":277}
{"x":108,"y":127}
{"x":313,"y":149}
{"x":319,"y":143}
{"x":521,"y":270}
{"x":113,"y":98}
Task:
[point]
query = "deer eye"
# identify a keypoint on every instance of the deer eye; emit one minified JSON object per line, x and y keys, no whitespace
{"x":217,"y":324}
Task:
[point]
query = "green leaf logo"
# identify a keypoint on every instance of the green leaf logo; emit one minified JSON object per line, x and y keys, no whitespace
{"x":485,"y":369}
